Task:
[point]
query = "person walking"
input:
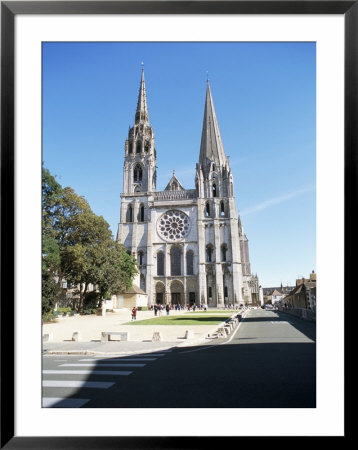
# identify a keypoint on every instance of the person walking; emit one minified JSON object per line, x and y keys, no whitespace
{"x":155,"y":310}
{"x":134,"y":313}
{"x":167,"y":308}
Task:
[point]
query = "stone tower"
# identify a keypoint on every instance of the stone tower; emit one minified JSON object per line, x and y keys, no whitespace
{"x":139,"y":164}
{"x":219,"y":253}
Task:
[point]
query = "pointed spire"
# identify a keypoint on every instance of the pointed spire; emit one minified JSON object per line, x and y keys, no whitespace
{"x":211,"y":146}
{"x":142,"y":108}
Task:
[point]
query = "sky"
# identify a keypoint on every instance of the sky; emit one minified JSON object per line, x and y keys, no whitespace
{"x":265,"y":100}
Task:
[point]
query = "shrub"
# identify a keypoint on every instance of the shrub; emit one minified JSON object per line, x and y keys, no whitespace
{"x":64,"y":311}
{"x":48,"y":317}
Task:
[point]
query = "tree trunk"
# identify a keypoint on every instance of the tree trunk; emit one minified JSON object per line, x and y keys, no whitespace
{"x":82,"y":296}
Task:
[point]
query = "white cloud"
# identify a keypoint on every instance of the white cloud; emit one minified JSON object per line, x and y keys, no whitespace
{"x":276,"y":200}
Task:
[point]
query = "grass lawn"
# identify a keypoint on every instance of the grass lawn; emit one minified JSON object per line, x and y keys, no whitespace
{"x":187,"y":319}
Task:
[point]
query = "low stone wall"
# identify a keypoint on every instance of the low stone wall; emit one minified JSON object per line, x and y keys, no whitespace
{"x":302,"y":313}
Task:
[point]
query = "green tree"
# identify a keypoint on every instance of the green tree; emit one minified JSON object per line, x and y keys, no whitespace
{"x":78,"y":246}
{"x":50,"y":292}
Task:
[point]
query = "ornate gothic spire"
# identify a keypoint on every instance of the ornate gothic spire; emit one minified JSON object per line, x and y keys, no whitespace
{"x":142,"y":108}
{"x":211,"y":147}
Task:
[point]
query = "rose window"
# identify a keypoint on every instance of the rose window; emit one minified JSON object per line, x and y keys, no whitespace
{"x":173,"y":225}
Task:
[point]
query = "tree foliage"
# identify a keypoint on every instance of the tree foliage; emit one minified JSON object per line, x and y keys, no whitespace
{"x":77,"y":245}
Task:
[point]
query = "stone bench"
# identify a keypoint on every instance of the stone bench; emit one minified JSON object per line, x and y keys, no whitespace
{"x":106,"y":335}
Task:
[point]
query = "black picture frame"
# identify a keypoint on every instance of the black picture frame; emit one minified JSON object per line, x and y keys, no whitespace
{"x":9,"y":10}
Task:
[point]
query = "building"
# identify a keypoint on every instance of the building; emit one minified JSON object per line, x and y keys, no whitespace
{"x":272,"y":295}
{"x":189,"y":243}
{"x":303,"y":296}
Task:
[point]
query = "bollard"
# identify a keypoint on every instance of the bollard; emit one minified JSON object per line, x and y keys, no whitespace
{"x":47,"y":337}
{"x":189,"y":334}
{"x":76,"y":336}
{"x":157,"y":336}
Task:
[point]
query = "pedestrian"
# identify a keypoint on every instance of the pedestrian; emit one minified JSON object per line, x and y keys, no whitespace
{"x":134,"y":313}
{"x":167,"y":308}
{"x":155,"y":310}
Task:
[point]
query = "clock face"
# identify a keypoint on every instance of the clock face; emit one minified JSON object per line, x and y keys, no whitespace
{"x":174,"y":225}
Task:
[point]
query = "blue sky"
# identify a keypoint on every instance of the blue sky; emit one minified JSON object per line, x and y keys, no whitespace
{"x":265,"y":100}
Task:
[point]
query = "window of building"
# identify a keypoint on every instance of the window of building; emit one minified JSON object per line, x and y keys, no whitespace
{"x":209,"y":253}
{"x":140,"y":258}
{"x":222,"y":209}
{"x":175,"y":263}
{"x":137,"y":173}
{"x":223,"y":252}
{"x":225,"y":292}
{"x":130,"y":148}
{"x":141,"y":213}
{"x":129,"y":215}
{"x":190,"y":262}
{"x":139,"y":147}
{"x":214,"y":190}
{"x":210,"y":292}
{"x":160,"y":263}
{"x":146,"y":147}
{"x":207,"y":210}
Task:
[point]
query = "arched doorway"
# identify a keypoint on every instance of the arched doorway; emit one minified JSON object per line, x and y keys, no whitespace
{"x":177,"y":293}
{"x":159,"y":293}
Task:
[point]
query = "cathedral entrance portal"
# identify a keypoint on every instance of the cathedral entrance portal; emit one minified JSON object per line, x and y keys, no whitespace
{"x":176,"y":298}
{"x":159,"y":293}
{"x":177,"y":293}
{"x":159,"y":298}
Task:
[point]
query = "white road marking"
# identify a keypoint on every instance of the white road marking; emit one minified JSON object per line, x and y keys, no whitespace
{"x":100,"y":364}
{"x":78,"y":384}
{"x":121,"y":359}
{"x":87,"y":372}
{"x":281,"y":321}
{"x":127,"y":356}
{"x":55,"y":402}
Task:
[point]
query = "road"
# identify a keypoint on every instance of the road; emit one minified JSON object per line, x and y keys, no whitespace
{"x":269,"y":361}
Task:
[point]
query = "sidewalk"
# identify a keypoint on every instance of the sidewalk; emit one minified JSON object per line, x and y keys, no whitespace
{"x":140,"y":336}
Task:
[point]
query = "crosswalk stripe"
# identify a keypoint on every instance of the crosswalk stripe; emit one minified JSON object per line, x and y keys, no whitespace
{"x":58,"y":402}
{"x":120,"y":359}
{"x":87,"y":372}
{"x":77,"y":384}
{"x":100,"y":364}
{"x":151,"y":355}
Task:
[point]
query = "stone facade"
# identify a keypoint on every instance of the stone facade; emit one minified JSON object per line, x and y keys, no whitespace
{"x":189,"y":243}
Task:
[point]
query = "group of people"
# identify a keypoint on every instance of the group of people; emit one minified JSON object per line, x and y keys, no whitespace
{"x":159,"y":308}
{"x":177,"y":307}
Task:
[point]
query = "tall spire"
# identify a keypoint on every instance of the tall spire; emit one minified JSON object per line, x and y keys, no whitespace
{"x":211,"y":146}
{"x":142,"y":108}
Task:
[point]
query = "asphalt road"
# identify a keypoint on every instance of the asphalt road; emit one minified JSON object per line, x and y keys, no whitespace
{"x":269,"y":361}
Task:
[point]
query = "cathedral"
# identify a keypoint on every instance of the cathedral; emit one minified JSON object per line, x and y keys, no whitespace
{"x":189,"y":243}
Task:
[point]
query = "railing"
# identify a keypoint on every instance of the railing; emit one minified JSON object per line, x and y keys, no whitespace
{"x":175,"y":195}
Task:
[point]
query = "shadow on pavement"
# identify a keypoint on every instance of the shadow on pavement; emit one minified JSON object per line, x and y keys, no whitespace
{"x":236,"y":375}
